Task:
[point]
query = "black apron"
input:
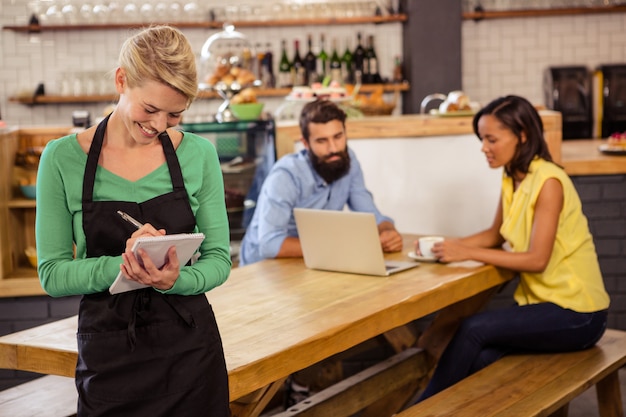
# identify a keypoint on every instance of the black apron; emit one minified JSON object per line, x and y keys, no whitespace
{"x":143,"y":353}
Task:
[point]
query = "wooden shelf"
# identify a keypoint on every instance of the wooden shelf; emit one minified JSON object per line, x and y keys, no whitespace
{"x":506,"y":14}
{"x":216,"y":25}
{"x":24,"y":282}
{"x":52,"y":99}
{"x":267,"y":92}
{"x":21,"y":203}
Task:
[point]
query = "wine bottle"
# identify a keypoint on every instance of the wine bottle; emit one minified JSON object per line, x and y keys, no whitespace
{"x":335,"y":64}
{"x":297,"y":66}
{"x":247,"y":59}
{"x":285,"y":79}
{"x":398,"y":75}
{"x":359,"y":59}
{"x":267,"y":64}
{"x":347,"y":63}
{"x":323,"y":59}
{"x":310,"y":63}
{"x":258,"y":62}
{"x":371,"y":74}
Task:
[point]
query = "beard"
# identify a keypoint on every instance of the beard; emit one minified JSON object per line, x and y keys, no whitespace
{"x":331,"y":171}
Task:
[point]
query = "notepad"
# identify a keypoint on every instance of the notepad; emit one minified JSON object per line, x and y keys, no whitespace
{"x":157,"y":246}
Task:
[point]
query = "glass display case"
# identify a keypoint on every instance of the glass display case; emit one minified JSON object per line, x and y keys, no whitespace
{"x":247,"y":151}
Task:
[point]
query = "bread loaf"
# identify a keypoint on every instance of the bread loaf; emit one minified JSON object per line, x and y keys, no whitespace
{"x":455,"y":101}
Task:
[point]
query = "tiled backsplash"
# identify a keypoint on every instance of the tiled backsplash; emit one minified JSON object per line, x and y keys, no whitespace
{"x":500,"y":56}
{"x":509,"y":56}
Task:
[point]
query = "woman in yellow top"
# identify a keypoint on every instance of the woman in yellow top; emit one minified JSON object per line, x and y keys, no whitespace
{"x":561,"y":301}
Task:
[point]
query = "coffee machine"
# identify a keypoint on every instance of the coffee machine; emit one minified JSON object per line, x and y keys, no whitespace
{"x":568,"y":90}
{"x":613,"y":99}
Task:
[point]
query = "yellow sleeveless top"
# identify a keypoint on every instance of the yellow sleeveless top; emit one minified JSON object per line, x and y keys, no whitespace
{"x":572,"y":278}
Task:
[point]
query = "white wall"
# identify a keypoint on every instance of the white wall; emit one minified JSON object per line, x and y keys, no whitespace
{"x":431,"y":185}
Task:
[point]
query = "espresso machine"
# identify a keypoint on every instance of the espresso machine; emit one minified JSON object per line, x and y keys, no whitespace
{"x":613,"y":99}
{"x":568,"y":90}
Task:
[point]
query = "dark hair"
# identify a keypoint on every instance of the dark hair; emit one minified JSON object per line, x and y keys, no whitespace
{"x":519,"y":116}
{"x":319,"y":111}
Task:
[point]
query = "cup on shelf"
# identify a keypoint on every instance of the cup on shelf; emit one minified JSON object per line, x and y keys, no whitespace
{"x":130,"y":12}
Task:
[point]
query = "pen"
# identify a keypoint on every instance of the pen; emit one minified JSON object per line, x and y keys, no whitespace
{"x":129,"y":219}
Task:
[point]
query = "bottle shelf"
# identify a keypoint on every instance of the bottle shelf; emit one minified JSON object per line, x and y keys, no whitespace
{"x":505,"y":14}
{"x":267,"y":92}
{"x":215,"y":25}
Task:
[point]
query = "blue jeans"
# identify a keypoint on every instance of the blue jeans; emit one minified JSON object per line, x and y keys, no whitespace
{"x":486,"y":337}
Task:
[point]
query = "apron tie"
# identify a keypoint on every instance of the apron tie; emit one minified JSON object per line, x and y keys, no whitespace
{"x":141,"y":303}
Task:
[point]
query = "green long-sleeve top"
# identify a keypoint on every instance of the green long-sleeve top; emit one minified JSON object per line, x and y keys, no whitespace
{"x":59,"y":220}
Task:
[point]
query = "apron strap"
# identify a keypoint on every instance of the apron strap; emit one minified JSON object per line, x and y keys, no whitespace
{"x":92,"y":160}
{"x":176,"y":172}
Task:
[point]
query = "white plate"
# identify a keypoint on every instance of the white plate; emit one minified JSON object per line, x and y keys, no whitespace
{"x":612,"y":150}
{"x":417,"y":257}
{"x":457,"y":113}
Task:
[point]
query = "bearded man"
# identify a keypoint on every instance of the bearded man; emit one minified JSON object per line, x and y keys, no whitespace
{"x":324,"y":175}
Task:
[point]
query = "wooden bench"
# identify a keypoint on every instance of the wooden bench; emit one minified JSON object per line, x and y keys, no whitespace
{"x":48,"y":396}
{"x":535,"y":385}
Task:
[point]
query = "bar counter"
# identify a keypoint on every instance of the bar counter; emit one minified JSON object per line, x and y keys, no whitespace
{"x":413,"y":126}
{"x":582,"y":157}
{"x":578,"y":157}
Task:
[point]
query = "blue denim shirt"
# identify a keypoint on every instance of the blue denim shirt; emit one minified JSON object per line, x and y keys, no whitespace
{"x":293,"y":182}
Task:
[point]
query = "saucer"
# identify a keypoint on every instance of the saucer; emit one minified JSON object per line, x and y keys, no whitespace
{"x":417,"y":257}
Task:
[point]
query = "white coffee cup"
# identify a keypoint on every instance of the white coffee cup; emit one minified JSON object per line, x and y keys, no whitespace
{"x":426,"y":245}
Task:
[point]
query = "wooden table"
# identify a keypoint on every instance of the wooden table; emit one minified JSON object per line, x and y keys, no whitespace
{"x":582,"y":157}
{"x":276,"y":317}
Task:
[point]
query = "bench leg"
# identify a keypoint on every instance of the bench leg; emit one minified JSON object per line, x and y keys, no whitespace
{"x":609,"y":396}
{"x":561,"y":412}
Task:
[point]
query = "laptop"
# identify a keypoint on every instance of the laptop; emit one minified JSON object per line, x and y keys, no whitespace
{"x":343,"y":241}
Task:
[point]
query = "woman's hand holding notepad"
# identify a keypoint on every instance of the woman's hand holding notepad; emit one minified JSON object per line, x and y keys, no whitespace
{"x":156,"y":247}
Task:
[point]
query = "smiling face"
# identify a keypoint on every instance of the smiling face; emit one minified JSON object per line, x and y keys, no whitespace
{"x":149,"y":109}
{"x":328,"y":149}
{"x":499,"y":143}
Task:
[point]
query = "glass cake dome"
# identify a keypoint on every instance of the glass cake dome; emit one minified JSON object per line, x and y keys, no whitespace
{"x":226,"y":61}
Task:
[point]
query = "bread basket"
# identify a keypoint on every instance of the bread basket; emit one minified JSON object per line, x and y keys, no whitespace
{"x":374,"y":104}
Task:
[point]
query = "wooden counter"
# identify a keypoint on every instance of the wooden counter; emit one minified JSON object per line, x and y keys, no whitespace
{"x":582,"y":157}
{"x":413,"y":125}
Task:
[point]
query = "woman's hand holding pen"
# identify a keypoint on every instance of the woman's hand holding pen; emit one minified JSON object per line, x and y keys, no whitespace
{"x":145,"y":271}
{"x":144,"y":231}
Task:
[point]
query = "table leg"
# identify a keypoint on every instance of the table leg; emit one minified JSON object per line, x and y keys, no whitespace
{"x":439,"y":333}
{"x":252,"y":405}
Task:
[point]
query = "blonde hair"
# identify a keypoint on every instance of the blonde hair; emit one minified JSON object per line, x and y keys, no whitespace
{"x":162,"y":54}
